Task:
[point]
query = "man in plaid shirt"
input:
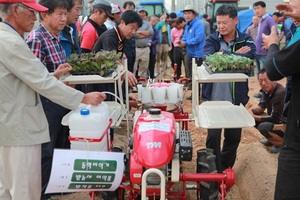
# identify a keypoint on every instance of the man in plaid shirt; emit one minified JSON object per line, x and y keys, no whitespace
{"x":44,"y":42}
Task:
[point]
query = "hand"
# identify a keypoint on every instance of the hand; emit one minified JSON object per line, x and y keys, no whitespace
{"x":243,"y":50}
{"x":289,"y":10}
{"x":62,"y":69}
{"x":264,"y":47}
{"x":181,"y":43}
{"x":70,"y":85}
{"x":93,"y":98}
{"x":132,"y":81}
{"x":163,"y":17}
{"x":251,"y":112}
{"x":270,"y":39}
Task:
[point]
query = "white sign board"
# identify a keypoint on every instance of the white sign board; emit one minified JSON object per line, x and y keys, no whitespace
{"x":82,"y":171}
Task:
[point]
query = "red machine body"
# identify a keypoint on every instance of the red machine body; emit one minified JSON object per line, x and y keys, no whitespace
{"x":154,"y":139}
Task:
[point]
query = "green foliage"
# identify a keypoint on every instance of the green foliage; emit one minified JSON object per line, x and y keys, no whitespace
{"x":228,"y":62}
{"x":99,"y":62}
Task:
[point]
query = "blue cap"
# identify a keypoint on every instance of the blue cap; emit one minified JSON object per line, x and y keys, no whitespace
{"x":84,"y":111}
{"x":140,"y":8}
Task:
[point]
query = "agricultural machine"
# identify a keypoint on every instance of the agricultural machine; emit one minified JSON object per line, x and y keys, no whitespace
{"x":158,"y":147}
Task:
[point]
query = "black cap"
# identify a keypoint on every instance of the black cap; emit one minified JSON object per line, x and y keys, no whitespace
{"x":101,"y":4}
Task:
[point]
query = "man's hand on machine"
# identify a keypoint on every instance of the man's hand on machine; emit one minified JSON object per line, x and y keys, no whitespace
{"x":93,"y":98}
{"x":132,"y":81}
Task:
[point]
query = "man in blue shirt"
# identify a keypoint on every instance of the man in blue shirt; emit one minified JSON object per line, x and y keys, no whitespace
{"x":193,"y":37}
{"x":69,"y":37}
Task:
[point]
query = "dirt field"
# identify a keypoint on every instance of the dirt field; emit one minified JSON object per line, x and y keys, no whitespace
{"x":255,"y":167}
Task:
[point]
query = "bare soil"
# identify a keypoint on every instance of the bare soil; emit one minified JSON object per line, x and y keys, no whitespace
{"x":255,"y":167}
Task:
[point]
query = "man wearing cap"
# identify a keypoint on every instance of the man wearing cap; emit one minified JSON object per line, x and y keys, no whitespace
{"x":193,"y":38}
{"x":142,"y":37}
{"x":117,"y":13}
{"x":94,"y":26}
{"x":23,"y":124}
{"x":44,"y":42}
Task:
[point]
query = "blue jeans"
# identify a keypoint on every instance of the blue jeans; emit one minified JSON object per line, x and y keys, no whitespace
{"x":288,"y":174}
{"x":260,"y":63}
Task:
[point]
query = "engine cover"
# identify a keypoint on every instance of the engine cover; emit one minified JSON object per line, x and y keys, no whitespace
{"x":154,"y":139}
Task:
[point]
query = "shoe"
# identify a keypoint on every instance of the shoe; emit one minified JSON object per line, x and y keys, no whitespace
{"x":266,"y":143}
{"x":258,"y":95}
{"x":275,"y":149}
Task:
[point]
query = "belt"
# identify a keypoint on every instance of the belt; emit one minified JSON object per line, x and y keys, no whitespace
{"x":142,"y":47}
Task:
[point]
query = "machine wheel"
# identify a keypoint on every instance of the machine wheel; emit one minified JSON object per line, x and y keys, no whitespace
{"x":206,"y":164}
{"x":115,"y":195}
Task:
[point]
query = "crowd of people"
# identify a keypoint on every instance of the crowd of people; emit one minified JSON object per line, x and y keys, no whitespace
{"x":33,"y":100}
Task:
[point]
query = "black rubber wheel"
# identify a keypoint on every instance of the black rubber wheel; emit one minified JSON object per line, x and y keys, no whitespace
{"x":119,"y":194}
{"x":206,"y":164}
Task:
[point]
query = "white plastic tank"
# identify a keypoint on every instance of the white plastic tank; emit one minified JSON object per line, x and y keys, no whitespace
{"x":89,"y":124}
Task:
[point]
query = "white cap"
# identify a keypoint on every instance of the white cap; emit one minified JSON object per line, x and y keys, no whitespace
{"x":189,"y":8}
{"x":115,"y":9}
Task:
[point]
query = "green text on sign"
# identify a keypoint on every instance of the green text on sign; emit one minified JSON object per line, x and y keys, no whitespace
{"x":95,"y":165}
{"x":92,"y":177}
{"x":76,"y":186}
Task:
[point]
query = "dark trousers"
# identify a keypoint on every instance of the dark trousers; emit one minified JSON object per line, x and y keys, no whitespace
{"x":105,"y":87}
{"x":58,"y":138}
{"x":288,"y":174}
{"x":130,"y":63}
{"x":266,"y":127}
{"x":226,"y":157}
{"x":151,"y":66}
{"x":178,"y":59}
{"x":171,"y":55}
{"x":198,"y":62}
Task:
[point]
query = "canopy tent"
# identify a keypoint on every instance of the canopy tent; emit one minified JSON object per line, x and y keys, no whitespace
{"x":245,"y":19}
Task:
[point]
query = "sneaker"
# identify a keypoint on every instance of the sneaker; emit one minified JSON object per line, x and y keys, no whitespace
{"x":258,"y":95}
{"x":266,"y":143}
{"x":275,"y":149}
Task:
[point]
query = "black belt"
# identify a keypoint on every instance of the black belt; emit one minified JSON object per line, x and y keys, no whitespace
{"x":142,"y":47}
